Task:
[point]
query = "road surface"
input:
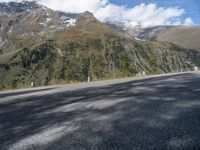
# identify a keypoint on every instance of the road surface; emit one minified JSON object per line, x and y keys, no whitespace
{"x":154,"y":113}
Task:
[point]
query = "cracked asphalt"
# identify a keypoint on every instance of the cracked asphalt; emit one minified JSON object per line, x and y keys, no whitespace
{"x":152,"y":113}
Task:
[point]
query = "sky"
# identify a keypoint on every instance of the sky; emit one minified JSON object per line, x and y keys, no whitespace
{"x":131,"y":13}
{"x":191,"y":7}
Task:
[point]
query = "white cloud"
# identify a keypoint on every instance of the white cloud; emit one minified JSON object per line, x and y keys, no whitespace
{"x":177,"y":22}
{"x":143,"y":14}
{"x":75,"y":6}
{"x":188,"y":22}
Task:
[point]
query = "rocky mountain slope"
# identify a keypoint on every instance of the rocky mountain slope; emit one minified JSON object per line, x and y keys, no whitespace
{"x":48,"y":47}
{"x":187,"y":37}
{"x":26,"y":23}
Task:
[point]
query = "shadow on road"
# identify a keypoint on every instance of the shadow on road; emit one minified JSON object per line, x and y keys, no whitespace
{"x":157,"y":113}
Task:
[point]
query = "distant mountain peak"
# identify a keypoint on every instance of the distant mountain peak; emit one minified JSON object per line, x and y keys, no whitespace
{"x":18,"y":7}
{"x":87,"y":13}
{"x":87,"y":17}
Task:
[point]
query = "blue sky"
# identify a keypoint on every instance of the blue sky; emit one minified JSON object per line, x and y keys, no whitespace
{"x":191,"y":7}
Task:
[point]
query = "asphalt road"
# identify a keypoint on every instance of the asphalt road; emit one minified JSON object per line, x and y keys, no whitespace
{"x":144,"y":114}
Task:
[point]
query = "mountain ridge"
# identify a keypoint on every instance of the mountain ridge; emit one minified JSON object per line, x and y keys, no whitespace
{"x":78,"y":46}
{"x":184,"y":36}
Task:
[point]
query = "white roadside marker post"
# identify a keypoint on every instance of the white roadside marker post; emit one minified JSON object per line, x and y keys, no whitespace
{"x":88,"y":78}
{"x":32,"y":84}
{"x":143,"y":73}
{"x":195,"y":68}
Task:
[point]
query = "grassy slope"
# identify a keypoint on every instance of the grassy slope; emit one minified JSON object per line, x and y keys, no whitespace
{"x":188,"y":37}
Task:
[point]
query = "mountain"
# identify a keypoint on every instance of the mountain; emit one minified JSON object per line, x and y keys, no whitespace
{"x":14,"y":7}
{"x":50,"y":47}
{"x":187,"y":37}
{"x":26,"y":23}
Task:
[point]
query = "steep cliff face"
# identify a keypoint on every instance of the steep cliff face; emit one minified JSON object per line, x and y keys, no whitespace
{"x":48,"y":47}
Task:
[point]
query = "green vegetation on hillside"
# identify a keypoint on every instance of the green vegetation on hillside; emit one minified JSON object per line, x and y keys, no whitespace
{"x":90,"y":48}
{"x":47,"y":64}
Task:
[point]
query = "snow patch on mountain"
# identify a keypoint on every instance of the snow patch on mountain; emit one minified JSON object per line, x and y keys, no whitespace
{"x":48,"y":19}
{"x":70,"y":22}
